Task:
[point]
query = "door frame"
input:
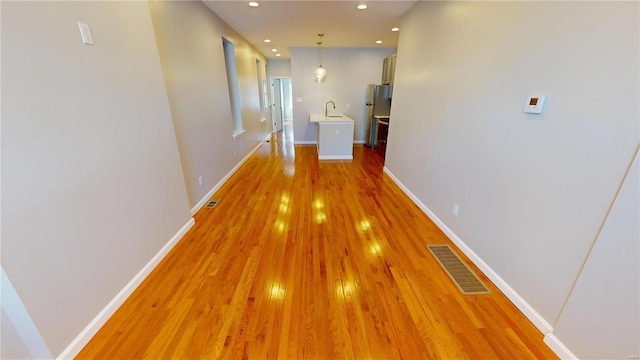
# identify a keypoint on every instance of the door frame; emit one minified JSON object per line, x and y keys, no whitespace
{"x":274,"y":108}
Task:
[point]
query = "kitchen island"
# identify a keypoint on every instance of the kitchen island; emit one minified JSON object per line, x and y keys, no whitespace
{"x":334,"y":137}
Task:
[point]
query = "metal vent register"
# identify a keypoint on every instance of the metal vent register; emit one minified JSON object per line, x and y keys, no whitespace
{"x":458,"y":271}
{"x":212,"y":203}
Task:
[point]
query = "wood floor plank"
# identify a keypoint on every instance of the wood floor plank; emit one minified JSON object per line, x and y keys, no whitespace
{"x":304,"y":259}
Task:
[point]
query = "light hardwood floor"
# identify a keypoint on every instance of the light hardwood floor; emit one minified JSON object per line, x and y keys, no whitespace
{"x":314,"y":260}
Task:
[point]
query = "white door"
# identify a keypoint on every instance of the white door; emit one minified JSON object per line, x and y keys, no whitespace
{"x":277,"y":108}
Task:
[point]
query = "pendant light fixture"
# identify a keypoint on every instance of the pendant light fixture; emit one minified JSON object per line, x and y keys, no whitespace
{"x":320,"y":73}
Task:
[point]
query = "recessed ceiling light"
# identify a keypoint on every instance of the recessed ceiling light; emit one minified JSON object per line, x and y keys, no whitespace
{"x":267,"y":40}
{"x":274,"y":50}
{"x":378,"y":41}
{"x":254,"y":4}
{"x":278,"y":55}
{"x":362,"y":6}
{"x":395,"y":29}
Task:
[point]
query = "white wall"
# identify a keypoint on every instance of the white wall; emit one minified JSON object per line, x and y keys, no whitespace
{"x":349,"y":72}
{"x":189,"y":39}
{"x":92,"y":186}
{"x":279,"y":68}
{"x":602,"y":317}
{"x":12,"y":347}
{"x":532,"y":189}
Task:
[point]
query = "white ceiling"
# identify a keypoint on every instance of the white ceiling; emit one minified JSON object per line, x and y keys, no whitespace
{"x":297,"y":23}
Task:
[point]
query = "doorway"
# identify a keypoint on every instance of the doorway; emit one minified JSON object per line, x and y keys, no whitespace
{"x":282,"y":109}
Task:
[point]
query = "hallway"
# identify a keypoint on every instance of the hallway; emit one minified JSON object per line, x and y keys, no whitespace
{"x":307,"y":259}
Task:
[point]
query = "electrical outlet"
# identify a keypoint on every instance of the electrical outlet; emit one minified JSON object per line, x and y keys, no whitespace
{"x":455,"y":210}
{"x":200,"y":180}
{"x":337,"y":132}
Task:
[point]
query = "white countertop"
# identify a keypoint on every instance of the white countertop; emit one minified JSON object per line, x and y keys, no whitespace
{"x":320,"y":118}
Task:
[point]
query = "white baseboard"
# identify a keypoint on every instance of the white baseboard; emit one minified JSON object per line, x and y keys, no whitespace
{"x":558,"y":347}
{"x":90,"y":330}
{"x":509,"y":292}
{"x":355,"y":142}
{"x":206,"y":198}
{"x":335,"y":157}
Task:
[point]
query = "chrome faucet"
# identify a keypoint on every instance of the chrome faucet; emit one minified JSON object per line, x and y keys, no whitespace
{"x":326,"y":111}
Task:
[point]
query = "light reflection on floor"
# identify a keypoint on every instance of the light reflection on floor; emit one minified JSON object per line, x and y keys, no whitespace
{"x":282,"y":145}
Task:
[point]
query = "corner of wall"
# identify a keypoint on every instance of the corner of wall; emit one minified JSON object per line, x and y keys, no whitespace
{"x":24,"y":326}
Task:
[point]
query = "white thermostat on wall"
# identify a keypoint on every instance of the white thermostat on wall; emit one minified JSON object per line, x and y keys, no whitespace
{"x":534,"y":104}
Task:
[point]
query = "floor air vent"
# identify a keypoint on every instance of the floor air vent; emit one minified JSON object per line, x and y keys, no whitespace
{"x":212,"y":203}
{"x":458,"y":271}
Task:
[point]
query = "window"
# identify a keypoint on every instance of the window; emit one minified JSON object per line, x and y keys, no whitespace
{"x":234,"y":89}
{"x":262,"y":91}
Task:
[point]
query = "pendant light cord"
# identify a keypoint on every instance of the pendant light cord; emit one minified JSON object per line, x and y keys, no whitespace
{"x":320,"y":73}
{"x":320,"y":49}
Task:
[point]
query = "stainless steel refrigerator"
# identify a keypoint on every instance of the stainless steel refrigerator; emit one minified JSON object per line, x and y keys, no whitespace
{"x":377,"y":103}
